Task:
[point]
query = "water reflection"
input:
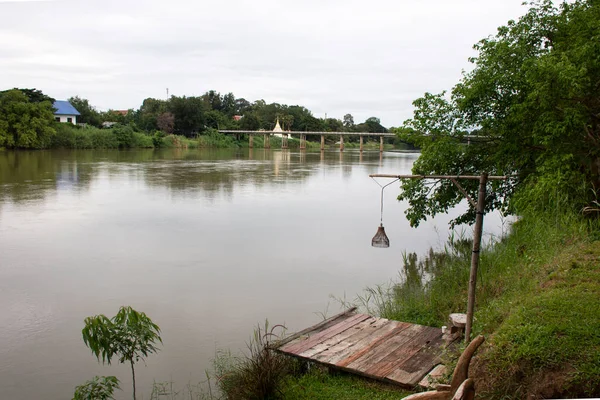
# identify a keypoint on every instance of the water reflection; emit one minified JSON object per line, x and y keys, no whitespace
{"x":32,"y":176}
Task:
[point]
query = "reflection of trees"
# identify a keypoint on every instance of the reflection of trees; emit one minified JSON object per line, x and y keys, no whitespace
{"x":33,"y":175}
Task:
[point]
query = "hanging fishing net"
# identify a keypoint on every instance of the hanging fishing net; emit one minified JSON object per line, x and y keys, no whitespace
{"x":380,"y":239}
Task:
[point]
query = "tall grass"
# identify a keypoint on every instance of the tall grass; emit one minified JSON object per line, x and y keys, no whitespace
{"x":258,"y":374}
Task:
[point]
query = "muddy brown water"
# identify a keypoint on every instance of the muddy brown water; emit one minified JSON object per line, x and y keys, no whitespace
{"x":208,"y":243}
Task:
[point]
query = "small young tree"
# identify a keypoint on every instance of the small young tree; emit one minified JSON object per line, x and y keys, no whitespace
{"x":130,"y":335}
{"x":99,"y":388}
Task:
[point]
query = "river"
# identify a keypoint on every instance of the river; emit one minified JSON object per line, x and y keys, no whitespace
{"x":208,"y":243}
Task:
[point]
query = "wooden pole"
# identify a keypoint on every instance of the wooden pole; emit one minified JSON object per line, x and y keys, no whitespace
{"x":381,"y":144}
{"x":341,"y":142}
{"x":475,"y":255}
{"x":250,"y":141}
{"x":322,"y":142}
{"x":361,"y":144}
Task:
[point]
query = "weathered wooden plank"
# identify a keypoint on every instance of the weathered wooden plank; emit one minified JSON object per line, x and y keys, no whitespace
{"x":414,"y":369}
{"x":386,"y":347}
{"x":312,"y":340}
{"x":373,"y":346}
{"x":343,"y":337}
{"x":356,"y":342}
{"x":397,"y":358}
{"x":320,"y":326}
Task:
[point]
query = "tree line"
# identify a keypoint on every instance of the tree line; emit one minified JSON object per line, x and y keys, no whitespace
{"x":193,"y":115}
{"x":26,"y":117}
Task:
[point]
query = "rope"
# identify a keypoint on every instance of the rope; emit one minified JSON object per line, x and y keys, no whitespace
{"x":383,"y":187}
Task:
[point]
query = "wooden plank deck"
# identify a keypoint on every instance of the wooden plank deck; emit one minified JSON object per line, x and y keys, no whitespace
{"x":378,"y":348}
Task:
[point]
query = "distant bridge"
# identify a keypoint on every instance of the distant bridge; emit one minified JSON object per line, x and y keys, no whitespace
{"x":302,"y":136}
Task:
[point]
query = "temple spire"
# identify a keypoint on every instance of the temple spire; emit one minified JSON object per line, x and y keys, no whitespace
{"x":277,"y":127}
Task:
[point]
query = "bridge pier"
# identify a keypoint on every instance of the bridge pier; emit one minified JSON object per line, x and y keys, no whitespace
{"x":361,"y":144}
{"x":381,"y":144}
{"x":284,"y":142}
{"x":302,"y":142}
{"x":250,"y":141}
{"x":322,"y":142}
{"x":267,"y":143}
{"x":341,"y":142}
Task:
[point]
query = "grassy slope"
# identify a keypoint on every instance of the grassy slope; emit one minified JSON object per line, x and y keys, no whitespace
{"x":545,"y":339}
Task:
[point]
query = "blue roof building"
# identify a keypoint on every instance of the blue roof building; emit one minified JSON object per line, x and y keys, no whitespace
{"x":65,"y":112}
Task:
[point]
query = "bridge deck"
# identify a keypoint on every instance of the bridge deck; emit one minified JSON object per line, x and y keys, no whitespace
{"x":395,"y":352}
{"x":308,"y":133}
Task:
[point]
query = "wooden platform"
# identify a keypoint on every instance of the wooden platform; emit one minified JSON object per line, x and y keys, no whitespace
{"x":390,"y":351}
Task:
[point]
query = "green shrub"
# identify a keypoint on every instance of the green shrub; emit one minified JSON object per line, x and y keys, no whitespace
{"x":124,"y":135}
{"x":99,"y":388}
{"x":141,"y":140}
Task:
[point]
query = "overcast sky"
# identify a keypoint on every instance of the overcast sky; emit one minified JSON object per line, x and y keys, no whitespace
{"x":367,"y":57}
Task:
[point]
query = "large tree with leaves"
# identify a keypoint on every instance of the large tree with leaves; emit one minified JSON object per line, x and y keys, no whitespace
{"x":532,"y":109}
{"x":24,"y":123}
{"x":130,"y":335}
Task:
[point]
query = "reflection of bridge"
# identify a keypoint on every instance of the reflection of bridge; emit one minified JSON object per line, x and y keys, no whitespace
{"x":302,"y":136}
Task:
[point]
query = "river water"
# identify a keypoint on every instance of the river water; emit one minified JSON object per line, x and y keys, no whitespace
{"x":208,"y":243}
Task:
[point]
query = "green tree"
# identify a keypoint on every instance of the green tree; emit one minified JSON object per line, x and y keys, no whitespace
{"x":89,"y":114}
{"x":147,"y":115}
{"x":531,"y":108}
{"x":25,"y":124}
{"x":34,"y":95}
{"x":189,"y":113}
{"x":99,"y":388}
{"x":228,"y":104}
{"x":348,"y":122}
{"x":166,"y":123}
{"x":242,"y":106}
{"x":333,"y":125}
{"x":372,"y":125}
{"x":130,"y":335}
{"x":250,"y":122}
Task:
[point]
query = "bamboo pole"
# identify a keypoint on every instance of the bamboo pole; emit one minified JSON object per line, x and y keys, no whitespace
{"x":475,"y":177}
{"x":475,"y":254}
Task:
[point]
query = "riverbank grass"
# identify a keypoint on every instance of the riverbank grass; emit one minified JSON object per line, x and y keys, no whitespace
{"x":538,"y":298}
{"x":319,"y":384}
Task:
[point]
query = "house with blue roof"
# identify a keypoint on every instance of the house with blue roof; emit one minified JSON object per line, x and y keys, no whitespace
{"x":65,"y":112}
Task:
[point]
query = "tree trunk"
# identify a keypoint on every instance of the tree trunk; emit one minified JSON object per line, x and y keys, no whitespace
{"x":133,"y":375}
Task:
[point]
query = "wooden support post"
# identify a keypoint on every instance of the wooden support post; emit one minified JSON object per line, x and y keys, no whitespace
{"x":475,"y":255}
{"x":284,"y":144}
{"x":381,"y":144}
{"x":322,"y":142}
{"x":341,"y":142}
{"x":250,"y":141}
{"x":267,"y":144}
{"x":302,"y":142}
{"x":361,"y":144}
